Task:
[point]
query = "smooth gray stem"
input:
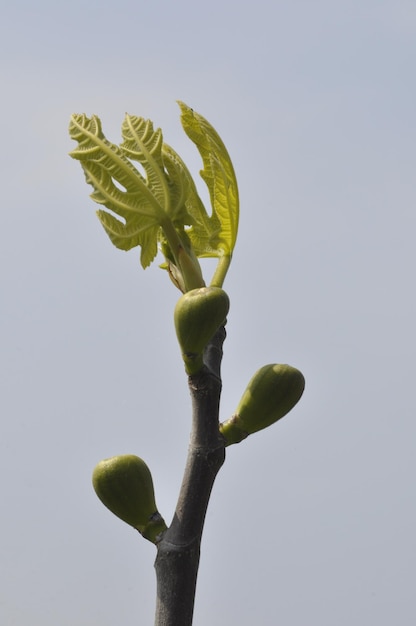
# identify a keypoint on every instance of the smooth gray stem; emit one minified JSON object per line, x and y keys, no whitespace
{"x":178,"y":553}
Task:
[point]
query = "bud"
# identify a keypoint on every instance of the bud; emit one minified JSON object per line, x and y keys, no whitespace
{"x":198,"y":315}
{"x":124,"y":485}
{"x":271,"y":393}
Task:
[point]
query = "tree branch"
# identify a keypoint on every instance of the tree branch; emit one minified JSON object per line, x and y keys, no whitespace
{"x":178,"y":553}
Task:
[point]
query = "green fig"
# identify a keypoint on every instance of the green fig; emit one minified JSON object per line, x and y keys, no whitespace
{"x":124,"y":485}
{"x":271,"y":393}
{"x":198,"y":315}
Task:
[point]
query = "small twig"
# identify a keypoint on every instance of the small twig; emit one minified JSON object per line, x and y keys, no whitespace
{"x":178,"y":553}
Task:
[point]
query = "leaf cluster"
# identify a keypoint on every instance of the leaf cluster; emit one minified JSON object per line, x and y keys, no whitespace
{"x":150,"y":198}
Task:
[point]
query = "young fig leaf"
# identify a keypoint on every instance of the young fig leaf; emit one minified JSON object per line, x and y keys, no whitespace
{"x":215,"y":235}
{"x":119,"y":186}
{"x":271,"y":393}
{"x":124,"y":485}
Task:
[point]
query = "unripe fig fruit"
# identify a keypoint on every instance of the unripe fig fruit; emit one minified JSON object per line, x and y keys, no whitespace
{"x":124,"y":485}
{"x":271,"y":393}
{"x":198,"y":315}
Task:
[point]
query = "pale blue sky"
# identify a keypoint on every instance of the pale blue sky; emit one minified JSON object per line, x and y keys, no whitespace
{"x":311,"y":522}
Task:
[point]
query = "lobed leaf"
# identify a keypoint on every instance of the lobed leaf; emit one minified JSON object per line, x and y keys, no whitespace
{"x":217,"y":233}
{"x":119,"y":186}
{"x":183,"y":192}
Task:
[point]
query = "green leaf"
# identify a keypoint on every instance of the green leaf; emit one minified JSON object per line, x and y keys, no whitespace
{"x":141,"y":202}
{"x":185,"y":200}
{"x":205,"y":229}
{"x":213,"y":235}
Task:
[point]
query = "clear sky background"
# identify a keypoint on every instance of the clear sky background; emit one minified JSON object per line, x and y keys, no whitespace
{"x":312,"y":522}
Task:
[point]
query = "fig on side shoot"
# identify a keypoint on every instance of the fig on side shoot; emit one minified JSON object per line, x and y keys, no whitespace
{"x":271,"y":393}
{"x":124,"y":485}
{"x":198,"y":315}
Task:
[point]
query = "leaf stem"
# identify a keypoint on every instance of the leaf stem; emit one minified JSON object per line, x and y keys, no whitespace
{"x":221,"y":271}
